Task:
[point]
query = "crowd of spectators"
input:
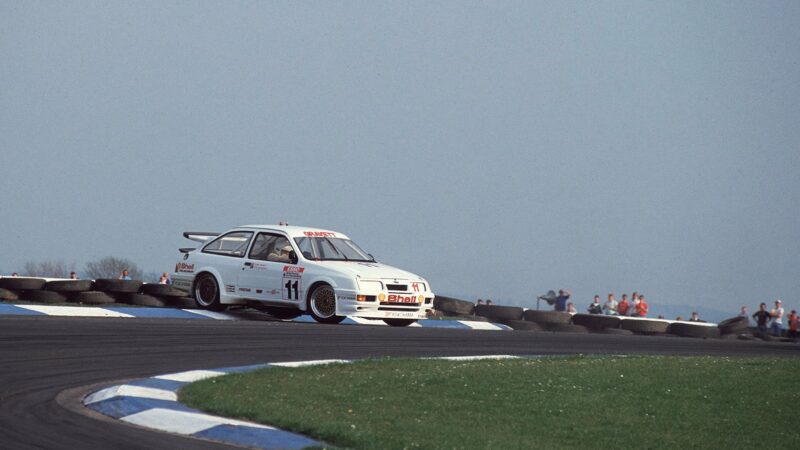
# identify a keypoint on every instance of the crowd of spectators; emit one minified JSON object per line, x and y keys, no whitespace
{"x":772,"y":320}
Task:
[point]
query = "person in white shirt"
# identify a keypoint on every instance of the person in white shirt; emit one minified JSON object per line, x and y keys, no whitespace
{"x":777,"y":318}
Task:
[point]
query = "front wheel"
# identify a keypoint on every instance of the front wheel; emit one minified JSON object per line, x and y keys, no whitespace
{"x":399,"y":322}
{"x":206,"y":293}
{"x":322,"y":305}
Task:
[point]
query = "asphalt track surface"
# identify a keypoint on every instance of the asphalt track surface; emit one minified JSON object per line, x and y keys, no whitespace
{"x":48,"y":363}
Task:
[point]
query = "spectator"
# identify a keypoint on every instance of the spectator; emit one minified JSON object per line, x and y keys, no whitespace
{"x":793,"y":322}
{"x":743,"y":312}
{"x":610,"y":306}
{"x":623,"y":306}
{"x":561,"y":300}
{"x":163,"y":280}
{"x":695,"y":317}
{"x":124,"y":275}
{"x":777,"y":318}
{"x":571,"y":308}
{"x":15,"y":274}
{"x":73,"y":276}
{"x":595,"y":307}
{"x":660,"y":316}
{"x":640,"y":308}
{"x":489,"y":301}
{"x":679,"y":318}
{"x":480,"y":301}
{"x":165,"y":276}
{"x":634,"y":302}
{"x":762,"y":317}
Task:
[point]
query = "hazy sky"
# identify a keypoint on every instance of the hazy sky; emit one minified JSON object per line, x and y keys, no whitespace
{"x":500,"y":149}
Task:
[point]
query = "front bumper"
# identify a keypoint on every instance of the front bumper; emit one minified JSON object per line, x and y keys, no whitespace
{"x":371,"y":307}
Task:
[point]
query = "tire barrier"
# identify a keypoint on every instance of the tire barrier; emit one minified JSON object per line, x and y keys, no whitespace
{"x":733,"y":325}
{"x":524,"y":325}
{"x":453,"y":306}
{"x":22,"y":284}
{"x":564,"y":328}
{"x":142,"y":300}
{"x":688,"y":329}
{"x":541,"y":317}
{"x":499,"y":313}
{"x":43,"y":296}
{"x":162,"y":290}
{"x":596,"y":321}
{"x":645,"y":326}
{"x":7,"y":294}
{"x":619,"y":331}
{"x":69,"y":285}
{"x":93,"y":298}
{"x":117,"y":286}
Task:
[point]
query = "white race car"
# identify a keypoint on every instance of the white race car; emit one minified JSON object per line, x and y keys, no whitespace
{"x":287,"y":270}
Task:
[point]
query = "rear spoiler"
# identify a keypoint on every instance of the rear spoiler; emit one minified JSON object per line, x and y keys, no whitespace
{"x":200,"y":236}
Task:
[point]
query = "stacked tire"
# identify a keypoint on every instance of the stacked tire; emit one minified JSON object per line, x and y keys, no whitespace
{"x":453,"y":307}
{"x":555,"y":321}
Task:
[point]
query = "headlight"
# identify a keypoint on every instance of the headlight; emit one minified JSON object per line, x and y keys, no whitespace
{"x":370,"y":286}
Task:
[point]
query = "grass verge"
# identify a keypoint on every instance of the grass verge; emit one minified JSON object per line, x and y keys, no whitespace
{"x":595,"y":402}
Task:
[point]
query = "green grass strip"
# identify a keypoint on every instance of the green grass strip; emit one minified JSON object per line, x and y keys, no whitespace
{"x":570,"y":402}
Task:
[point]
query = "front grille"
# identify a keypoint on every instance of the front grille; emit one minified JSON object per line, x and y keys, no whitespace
{"x":390,"y":308}
{"x":397,"y":287}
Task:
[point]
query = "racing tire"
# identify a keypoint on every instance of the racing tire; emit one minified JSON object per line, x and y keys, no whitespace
{"x":206,"y":292}
{"x":596,"y":321}
{"x":69,"y":285}
{"x":322,"y":305}
{"x":93,"y":298}
{"x":564,"y":328}
{"x":523,"y":325}
{"x":117,"y":286}
{"x":734,"y":325}
{"x":540,"y":317}
{"x":22,"y":284}
{"x":181,"y":302}
{"x":144,"y":300}
{"x":688,"y":329}
{"x":453,"y":306}
{"x":499,"y":313}
{"x":162,"y":290}
{"x":7,"y":294}
{"x":43,"y":297}
{"x":399,"y":322}
{"x":645,"y":326}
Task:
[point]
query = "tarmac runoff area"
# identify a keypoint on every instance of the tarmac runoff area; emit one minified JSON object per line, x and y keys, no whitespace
{"x":153,"y":403}
{"x":167,"y":313}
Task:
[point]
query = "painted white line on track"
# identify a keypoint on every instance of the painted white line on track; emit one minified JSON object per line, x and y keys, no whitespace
{"x":309,"y":363}
{"x":131,"y":391}
{"x":191,"y":376}
{"x":183,"y":422}
{"x":476,"y":358}
{"x":73,"y":311}
{"x":211,"y":314}
{"x":475,"y":325}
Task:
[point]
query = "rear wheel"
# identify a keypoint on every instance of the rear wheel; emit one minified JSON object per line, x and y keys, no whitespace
{"x":206,"y":293}
{"x":399,"y":322}
{"x":322,"y":305}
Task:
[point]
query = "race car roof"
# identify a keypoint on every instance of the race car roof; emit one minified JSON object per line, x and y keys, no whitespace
{"x":298,"y":231}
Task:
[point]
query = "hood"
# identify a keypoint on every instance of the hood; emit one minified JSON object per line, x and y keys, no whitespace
{"x":369,"y":270}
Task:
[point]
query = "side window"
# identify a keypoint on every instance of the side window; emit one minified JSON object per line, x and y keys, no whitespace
{"x":231,"y":244}
{"x":271,"y":247}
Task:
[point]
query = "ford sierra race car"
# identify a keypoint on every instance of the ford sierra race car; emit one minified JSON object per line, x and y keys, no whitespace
{"x":291,"y":270}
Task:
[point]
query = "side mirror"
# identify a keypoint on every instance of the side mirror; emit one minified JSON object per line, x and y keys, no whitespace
{"x":293,"y":257}
{"x":371,"y":257}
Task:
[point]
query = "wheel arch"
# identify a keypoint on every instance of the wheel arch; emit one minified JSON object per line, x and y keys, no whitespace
{"x":312,"y":287}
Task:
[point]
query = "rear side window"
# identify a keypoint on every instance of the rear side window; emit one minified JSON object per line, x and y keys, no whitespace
{"x":231,"y":244}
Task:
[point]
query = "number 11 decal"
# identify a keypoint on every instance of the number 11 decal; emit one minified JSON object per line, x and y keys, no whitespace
{"x":289,"y":286}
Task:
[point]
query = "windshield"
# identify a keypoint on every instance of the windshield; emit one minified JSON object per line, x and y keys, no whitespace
{"x":331,"y":249}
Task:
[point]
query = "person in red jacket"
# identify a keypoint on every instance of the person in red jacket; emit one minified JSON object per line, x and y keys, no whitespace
{"x":794,"y":321}
{"x":623,"y":305}
{"x":641,"y":307}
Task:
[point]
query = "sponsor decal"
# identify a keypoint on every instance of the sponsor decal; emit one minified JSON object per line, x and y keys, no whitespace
{"x":181,"y":283}
{"x":293,"y":269}
{"x":347,"y":297}
{"x":244,"y":289}
{"x":410,"y":315}
{"x":229,"y":288}
{"x":183,"y":267}
{"x":258,"y":291}
{"x":292,"y":282}
{"x":260,"y":266}
{"x":319,"y":234}
{"x":395,"y":298}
